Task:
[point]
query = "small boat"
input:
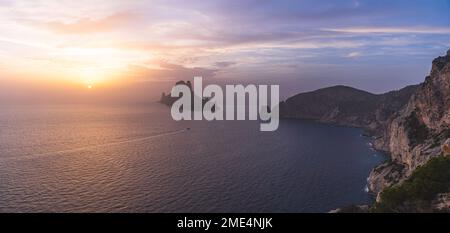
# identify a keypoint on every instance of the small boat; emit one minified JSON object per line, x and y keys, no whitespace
{"x":188,"y":128}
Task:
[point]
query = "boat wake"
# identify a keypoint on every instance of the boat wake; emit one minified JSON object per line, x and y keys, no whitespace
{"x":32,"y":156}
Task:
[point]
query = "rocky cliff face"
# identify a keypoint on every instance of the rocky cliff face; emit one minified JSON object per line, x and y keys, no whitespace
{"x":418,"y":131}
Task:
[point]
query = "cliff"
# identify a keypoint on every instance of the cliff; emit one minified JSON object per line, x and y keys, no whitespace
{"x":419,"y":131}
{"x":412,"y":124}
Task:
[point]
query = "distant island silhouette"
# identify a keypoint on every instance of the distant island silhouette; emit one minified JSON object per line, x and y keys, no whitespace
{"x":168,"y":100}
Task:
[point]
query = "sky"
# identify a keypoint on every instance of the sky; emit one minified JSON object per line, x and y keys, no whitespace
{"x":133,"y":50}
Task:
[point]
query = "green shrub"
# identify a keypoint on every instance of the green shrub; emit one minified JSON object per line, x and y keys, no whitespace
{"x":416,"y":193}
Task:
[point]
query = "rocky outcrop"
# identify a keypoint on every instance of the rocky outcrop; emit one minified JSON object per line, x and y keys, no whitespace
{"x":418,"y":131}
{"x":168,"y":99}
{"x":351,"y":209}
{"x":446,"y":148}
{"x":442,"y":202}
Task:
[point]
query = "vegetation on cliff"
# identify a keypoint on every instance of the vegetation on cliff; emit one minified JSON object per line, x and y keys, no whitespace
{"x":417,"y":193}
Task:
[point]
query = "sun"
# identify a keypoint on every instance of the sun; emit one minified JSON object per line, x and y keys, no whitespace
{"x":89,"y":86}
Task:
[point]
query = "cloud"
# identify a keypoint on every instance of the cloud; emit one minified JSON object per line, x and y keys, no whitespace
{"x":353,"y":55}
{"x":204,"y":37}
{"x":391,"y":30}
{"x":224,"y":64}
{"x":88,"y":25}
{"x":165,"y":71}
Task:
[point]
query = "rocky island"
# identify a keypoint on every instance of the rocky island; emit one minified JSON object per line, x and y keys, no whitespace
{"x":168,"y":100}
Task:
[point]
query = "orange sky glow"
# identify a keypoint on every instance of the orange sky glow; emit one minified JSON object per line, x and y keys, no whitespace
{"x":119,"y":46}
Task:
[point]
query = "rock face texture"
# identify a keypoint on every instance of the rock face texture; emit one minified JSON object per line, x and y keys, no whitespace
{"x":442,"y":202}
{"x":419,"y":131}
{"x":446,"y":148}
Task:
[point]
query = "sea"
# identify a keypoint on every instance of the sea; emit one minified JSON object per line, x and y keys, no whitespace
{"x":135,"y":158}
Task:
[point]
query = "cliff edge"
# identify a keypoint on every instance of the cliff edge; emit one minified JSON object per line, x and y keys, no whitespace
{"x":419,"y":131}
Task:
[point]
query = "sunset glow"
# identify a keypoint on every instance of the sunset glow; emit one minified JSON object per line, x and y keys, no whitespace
{"x":122,"y":43}
{"x":210,"y":115}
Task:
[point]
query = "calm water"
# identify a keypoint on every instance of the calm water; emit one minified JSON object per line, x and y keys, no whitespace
{"x":136,"y":159}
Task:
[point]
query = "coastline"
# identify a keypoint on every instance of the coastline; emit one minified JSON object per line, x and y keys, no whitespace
{"x":373,"y":146}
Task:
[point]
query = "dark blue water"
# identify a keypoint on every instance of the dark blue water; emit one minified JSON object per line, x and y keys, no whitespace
{"x":136,"y":159}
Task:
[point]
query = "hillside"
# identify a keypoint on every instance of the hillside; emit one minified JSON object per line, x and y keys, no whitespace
{"x":347,"y":106}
